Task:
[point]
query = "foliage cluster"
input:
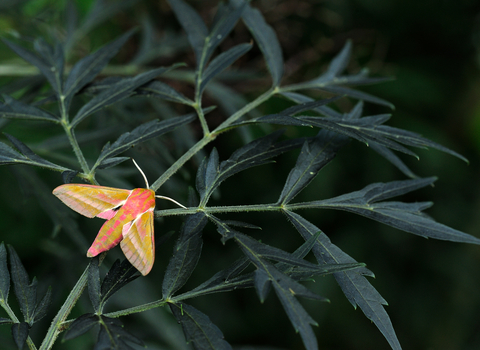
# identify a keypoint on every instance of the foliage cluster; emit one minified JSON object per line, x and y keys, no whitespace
{"x":76,"y":96}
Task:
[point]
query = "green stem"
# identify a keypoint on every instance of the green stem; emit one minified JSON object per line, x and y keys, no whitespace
{"x":181,"y":161}
{"x":220,"y":209}
{"x":56,"y":326}
{"x":14,"y":318}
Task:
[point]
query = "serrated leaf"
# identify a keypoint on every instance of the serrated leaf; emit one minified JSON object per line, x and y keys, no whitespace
{"x":224,"y":276}
{"x":161,"y":90}
{"x":119,"y":275}
{"x":4,"y":275}
{"x":10,"y":156}
{"x":300,"y":319}
{"x":25,"y":291}
{"x":198,"y":328}
{"x":68,"y":176}
{"x":112,"y":335}
{"x":404,"y":216}
{"x":94,"y":283}
{"x":301,"y":99}
{"x":339,"y":62}
{"x":354,"y":285}
{"x":111,"y":162}
{"x":193,"y":25}
{"x":81,"y":325}
{"x":222,"y":62}
{"x":39,"y":62}
{"x":392,"y":158}
{"x":262,"y":284}
{"x":141,"y":133}
{"x":54,"y":56}
{"x":267,"y":41}
{"x":117,"y":92}
{"x":185,"y":254}
{"x":225,"y":20}
{"x":15,"y":109}
{"x":342,"y":90}
{"x":20,"y":334}
{"x":85,"y":70}
{"x":42,"y":307}
{"x":315,"y":154}
{"x":4,"y":320}
{"x":256,"y":250}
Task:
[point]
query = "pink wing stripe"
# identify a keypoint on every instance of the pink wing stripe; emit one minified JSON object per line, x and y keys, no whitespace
{"x":107,"y":215}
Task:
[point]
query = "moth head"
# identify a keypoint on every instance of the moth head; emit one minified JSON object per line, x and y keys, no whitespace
{"x":148,"y":187}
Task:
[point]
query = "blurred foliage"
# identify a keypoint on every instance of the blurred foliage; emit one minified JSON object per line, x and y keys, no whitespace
{"x":431,"y":48}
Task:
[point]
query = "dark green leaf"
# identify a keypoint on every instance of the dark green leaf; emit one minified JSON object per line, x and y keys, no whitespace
{"x":39,"y":62}
{"x":111,"y":162}
{"x":267,"y":41}
{"x":262,"y":284}
{"x":311,"y":105}
{"x":198,"y":328}
{"x":94,"y":283}
{"x":85,"y":70}
{"x":119,"y":91}
{"x":5,"y":321}
{"x":112,"y":335}
{"x":25,"y":291}
{"x":119,"y":275}
{"x":161,"y":90}
{"x":209,"y":173}
{"x":68,"y":176}
{"x":354,"y":285}
{"x":81,"y":325}
{"x":285,"y":287}
{"x":404,"y":216}
{"x":339,"y":63}
{"x":302,"y":99}
{"x":4,"y":275}
{"x":10,"y":156}
{"x":54,"y":56}
{"x":142,"y":133}
{"x":257,"y":250}
{"x":42,"y":307}
{"x":225,"y":20}
{"x":342,"y":90}
{"x":185,"y":254}
{"x":300,"y":319}
{"x":193,"y":24}
{"x":225,"y":275}
{"x":14,"y":109}
{"x":315,"y":154}
{"x":392,"y":158}
{"x":20,"y":334}
{"x":223,"y":61}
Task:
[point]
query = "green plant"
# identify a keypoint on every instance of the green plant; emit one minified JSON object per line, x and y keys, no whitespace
{"x":67,"y":105}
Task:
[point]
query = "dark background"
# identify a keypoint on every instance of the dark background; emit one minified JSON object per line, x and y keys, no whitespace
{"x":431,"y":48}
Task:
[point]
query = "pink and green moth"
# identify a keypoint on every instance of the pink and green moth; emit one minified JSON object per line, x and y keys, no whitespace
{"x":129,"y":215}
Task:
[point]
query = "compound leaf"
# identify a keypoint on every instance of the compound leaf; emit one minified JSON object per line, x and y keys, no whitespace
{"x":15,"y":109}
{"x":354,"y":285}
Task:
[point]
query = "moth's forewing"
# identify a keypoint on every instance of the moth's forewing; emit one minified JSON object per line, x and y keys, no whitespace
{"x":90,"y":200}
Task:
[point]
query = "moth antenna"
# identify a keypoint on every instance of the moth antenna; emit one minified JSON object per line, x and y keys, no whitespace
{"x":172,"y":200}
{"x":141,"y":172}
